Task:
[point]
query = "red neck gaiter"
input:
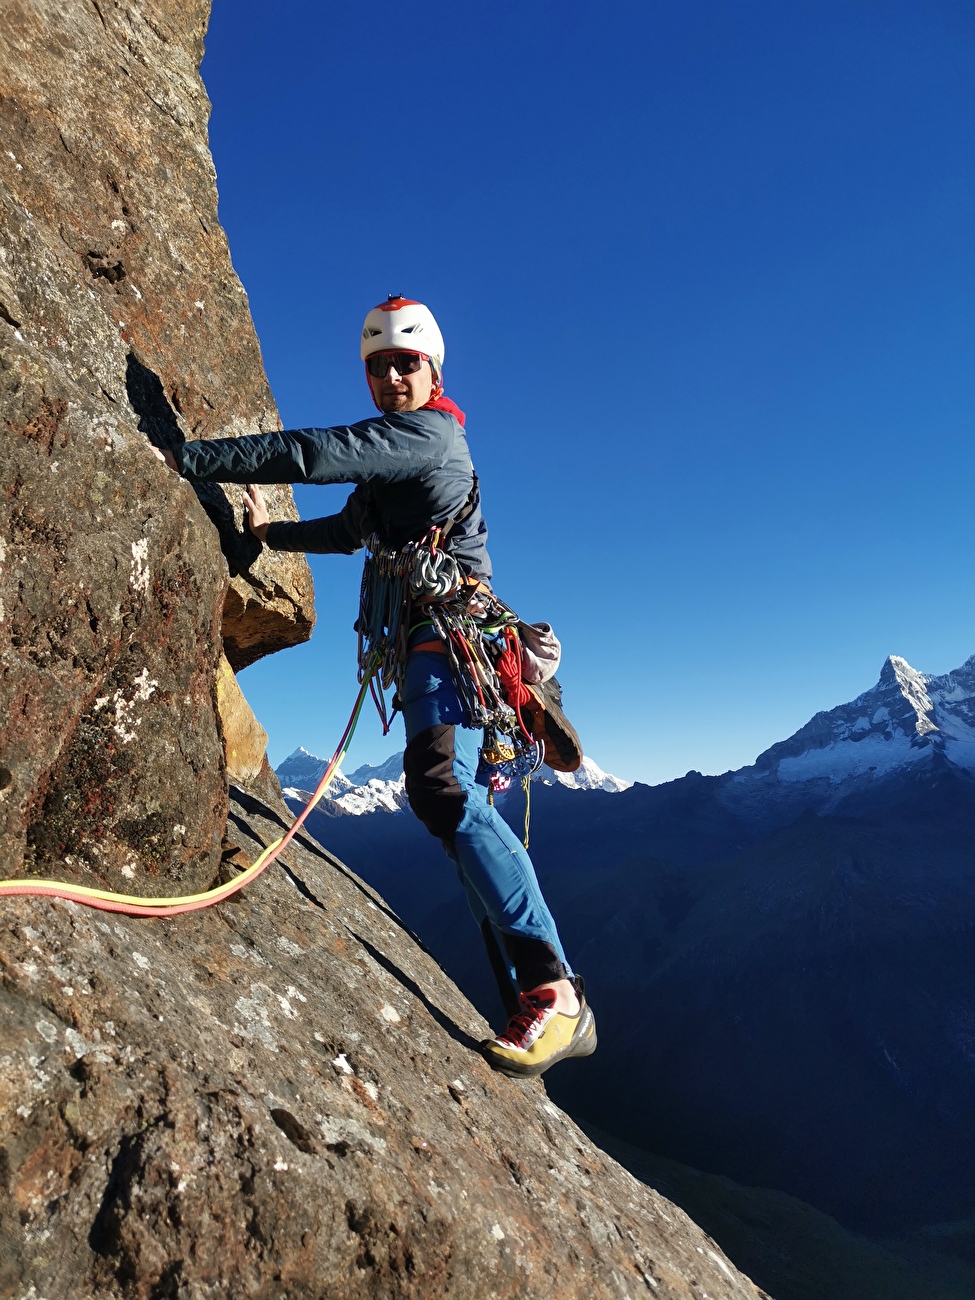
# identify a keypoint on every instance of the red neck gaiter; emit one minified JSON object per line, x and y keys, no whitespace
{"x":443,"y":403}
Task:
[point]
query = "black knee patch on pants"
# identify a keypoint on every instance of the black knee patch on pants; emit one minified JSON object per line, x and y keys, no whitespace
{"x":433,"y":790}
{"x":535,"y":961}
{"x":499,"y":965}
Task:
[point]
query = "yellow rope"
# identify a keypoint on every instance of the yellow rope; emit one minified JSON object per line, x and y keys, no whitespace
{"x":137,"y":905}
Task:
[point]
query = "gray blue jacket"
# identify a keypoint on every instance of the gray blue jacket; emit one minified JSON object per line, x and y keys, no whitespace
{"x":412,"y":469}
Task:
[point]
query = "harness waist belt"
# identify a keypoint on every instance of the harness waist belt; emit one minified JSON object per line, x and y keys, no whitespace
{"x":435,"y":646}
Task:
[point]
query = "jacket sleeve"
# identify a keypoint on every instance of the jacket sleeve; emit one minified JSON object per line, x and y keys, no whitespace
{"x":340,"y":534}
{"x":391,"y":448}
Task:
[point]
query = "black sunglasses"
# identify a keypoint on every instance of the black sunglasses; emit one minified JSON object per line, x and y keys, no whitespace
{"x":404,"y":363}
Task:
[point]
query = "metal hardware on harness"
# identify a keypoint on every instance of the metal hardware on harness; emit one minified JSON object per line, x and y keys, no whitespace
{"x":473,"y":629}
{"x":434,"y":573}
{"x":425,"y":575}
{"x":392,"y":581}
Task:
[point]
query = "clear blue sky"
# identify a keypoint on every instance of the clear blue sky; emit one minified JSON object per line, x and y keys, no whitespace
{"x":705,"y":272}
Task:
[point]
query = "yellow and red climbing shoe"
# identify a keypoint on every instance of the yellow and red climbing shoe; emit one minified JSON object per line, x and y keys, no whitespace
{"x":538,"y":1036}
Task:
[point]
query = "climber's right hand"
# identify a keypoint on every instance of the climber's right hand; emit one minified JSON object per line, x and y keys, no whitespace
{"x":256,"y":507}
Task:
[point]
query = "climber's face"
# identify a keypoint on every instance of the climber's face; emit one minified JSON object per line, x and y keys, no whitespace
{"x":396,"y":392}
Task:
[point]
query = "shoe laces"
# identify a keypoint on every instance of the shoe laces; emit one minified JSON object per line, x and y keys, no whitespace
{"x":526,"y":1024}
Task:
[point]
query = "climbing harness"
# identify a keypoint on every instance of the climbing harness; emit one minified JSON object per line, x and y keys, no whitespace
{"x":134,"y":905}
{"x":476,"y":632}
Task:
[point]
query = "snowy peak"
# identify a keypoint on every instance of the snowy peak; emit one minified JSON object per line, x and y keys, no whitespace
{"x":382,"y":788}
{"x":590,"y":776}
{"x":342,"y":798}
{"x":303,"y":771}
{"x":368,"y":789}
{"x":905,"y":718}
{"x":391,"y":770}
{"x":952,"y":712}
{"x":911,"y":684}
{"x":372,"y":796}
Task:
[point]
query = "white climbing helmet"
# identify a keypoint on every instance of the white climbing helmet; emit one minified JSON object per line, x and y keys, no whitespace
{"x":399,"y":324}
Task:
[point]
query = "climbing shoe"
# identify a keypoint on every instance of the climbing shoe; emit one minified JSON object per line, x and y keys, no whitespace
{"x":563,"y":748}
{"x":538,"y":1036}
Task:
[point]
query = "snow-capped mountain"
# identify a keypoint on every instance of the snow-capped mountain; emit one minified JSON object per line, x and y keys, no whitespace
{"x":906,"y":721}
{"x":368,"y":789}
{"x":589,"y":777}
{"x":391,"y":770}
{"x":372,"y":796}
{"x":381,"y":788}
{"x":376,"y":796}
{"x":907,"y":718}
{"x":898,"y":721}
{"x":303,"y":771}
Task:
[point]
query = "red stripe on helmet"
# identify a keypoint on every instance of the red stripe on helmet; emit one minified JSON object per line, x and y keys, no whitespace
{"x":395,"y":304}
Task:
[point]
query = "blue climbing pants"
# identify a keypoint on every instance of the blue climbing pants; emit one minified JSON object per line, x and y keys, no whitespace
{"x":450,"y":796}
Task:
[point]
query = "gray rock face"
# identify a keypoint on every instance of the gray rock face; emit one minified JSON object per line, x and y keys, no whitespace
{"x":282,"y":1097}
{"x":116,"y":272}
{"x":110,"y":587}
{"x":121,"y":321}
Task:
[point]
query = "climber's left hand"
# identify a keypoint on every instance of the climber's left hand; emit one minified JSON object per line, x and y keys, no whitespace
{"x":256,"y":507}
{"x":167,"y":458}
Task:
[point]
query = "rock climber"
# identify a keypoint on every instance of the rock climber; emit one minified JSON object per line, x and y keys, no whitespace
{"x":412,"y":469}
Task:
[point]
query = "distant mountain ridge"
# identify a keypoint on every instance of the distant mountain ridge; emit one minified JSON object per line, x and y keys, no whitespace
{"x":905,"y":719}
{"x":381,"y":788}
